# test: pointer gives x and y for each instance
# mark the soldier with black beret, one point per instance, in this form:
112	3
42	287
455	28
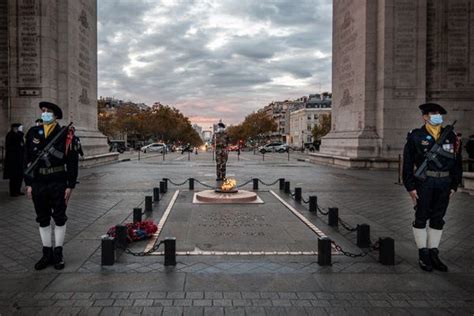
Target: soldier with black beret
431	196
51	185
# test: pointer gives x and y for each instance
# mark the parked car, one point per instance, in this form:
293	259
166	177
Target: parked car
273	147
186	148
117	145
233	148
157	147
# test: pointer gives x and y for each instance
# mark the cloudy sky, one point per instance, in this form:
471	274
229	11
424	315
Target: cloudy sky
214	59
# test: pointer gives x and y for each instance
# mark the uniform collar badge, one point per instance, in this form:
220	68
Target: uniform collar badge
41	132
428	136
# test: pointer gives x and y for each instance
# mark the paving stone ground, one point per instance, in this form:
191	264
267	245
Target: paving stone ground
234	285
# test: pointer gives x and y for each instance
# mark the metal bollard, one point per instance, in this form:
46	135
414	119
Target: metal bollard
298	195
324	251
108	250
191	184
313	204
170	251
148	203
166	184
156	194
255	183
363	236
282	183
162	187
137	214
287	187
333	217
387	251
121	233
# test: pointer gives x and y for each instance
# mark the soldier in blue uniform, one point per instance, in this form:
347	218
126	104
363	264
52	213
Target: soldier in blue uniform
431	196
51	186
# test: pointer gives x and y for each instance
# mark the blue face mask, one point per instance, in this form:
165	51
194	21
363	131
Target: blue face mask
47	117
436	119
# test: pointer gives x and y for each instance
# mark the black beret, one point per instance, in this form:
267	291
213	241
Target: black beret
16	125
432	107
220	124
53	107
39	121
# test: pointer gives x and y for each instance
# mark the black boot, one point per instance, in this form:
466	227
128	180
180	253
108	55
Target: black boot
437	264
46	259
424	259
58	258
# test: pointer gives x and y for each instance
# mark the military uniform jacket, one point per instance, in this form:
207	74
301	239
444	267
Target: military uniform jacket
14	153
36	141
419	142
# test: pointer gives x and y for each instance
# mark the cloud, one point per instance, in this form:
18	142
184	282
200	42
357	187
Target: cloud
214	59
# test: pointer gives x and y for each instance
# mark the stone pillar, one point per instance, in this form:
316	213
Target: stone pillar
53	57
389	56
3	70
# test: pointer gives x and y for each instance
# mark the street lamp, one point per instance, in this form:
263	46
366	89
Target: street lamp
302	141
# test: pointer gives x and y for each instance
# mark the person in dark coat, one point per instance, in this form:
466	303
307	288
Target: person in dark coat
431	196
14	159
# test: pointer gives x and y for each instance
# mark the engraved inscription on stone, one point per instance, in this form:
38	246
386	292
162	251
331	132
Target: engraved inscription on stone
3	50
345	43
228	224
29	45
83	55
405	48
450	59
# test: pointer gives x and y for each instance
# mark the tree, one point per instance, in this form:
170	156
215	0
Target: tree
321	129
257	124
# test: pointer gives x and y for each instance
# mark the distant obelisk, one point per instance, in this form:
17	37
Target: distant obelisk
48	52
389	56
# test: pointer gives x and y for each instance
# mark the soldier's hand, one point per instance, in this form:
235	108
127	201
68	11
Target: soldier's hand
452	193
414	196
29	189
67	195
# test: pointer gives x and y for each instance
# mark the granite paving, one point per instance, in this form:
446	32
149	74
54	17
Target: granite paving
235	285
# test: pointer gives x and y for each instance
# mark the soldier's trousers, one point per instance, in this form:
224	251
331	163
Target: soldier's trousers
433	200
48	198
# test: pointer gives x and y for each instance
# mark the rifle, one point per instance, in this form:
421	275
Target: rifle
432	155
47	151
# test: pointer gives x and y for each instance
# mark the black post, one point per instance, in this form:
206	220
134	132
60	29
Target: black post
387	251
163	151
324	251
263	156
156	194
287	187
137	214
191	184
288	154
170	251
189	155
313	204
298	195
148	203
162	187
166	184
139	154
255	183
333	216
121	233
363	236
108	250
282	184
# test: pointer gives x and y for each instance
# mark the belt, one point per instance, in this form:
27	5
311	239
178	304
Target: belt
437	174
46	171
